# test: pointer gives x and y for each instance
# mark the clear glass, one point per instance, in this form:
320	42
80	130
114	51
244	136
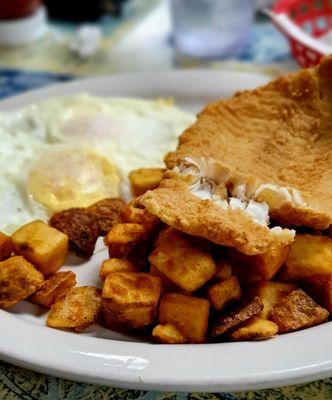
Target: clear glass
211	28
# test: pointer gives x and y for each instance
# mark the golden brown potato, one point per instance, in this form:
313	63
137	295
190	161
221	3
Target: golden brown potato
309	255
115	264
253	329
144	179
168	286
55	286
79	308
168	334
6	246
297	311
181	261
224	292
224	270
107	213
320	288
264	265
188	314
271	293
136	213
81	227
130	299
236	317
18	280
124	239
44	246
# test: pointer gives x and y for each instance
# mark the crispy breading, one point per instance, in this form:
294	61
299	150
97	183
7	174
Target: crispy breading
236	317
173	203
280	134
297	311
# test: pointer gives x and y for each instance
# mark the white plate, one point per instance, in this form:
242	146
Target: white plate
103	357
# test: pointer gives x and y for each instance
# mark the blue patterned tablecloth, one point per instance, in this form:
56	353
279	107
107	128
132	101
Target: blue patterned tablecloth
266	47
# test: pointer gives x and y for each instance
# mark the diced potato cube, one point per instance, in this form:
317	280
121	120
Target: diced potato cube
309	255
253	329
77	310
115	264
223	292
188	314
124	239
168	334
265	265
55	286
271	293
6	246
297	311
42	245
130	299
181	261
107	213
18	280
224	270
168	286
236	317
144	179
135	213
320	288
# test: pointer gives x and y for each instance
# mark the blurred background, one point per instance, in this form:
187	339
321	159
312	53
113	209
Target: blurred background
42	42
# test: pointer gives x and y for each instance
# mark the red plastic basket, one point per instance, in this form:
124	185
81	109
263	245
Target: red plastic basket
314	17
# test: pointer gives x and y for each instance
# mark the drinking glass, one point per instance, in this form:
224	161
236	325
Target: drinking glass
211	28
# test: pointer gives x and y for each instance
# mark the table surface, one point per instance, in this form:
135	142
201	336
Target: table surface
144	29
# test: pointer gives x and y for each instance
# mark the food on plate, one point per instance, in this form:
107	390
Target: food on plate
45	247
223	292
77	309
168	334
107	213
232	241
271	148
224	269
6	246
175	204
130	299
72	151
126	239
309	255
320	288
297	311
81	228
181	261
264	265
144	179
115	264
136	213
18	280
242	313
253	329
271	293
55	286
187	313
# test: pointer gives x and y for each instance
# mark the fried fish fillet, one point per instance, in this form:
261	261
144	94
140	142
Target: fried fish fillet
263	153
279	134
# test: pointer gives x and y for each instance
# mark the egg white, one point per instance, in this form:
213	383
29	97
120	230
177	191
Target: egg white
128	133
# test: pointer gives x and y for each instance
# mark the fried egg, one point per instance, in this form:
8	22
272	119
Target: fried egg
72	151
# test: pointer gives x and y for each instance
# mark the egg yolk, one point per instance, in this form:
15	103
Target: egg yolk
67	177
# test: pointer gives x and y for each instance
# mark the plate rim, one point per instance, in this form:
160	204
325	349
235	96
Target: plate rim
120	373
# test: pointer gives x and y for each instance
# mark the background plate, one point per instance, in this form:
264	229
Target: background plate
103	357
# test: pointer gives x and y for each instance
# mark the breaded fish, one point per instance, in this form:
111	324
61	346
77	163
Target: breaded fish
263	153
